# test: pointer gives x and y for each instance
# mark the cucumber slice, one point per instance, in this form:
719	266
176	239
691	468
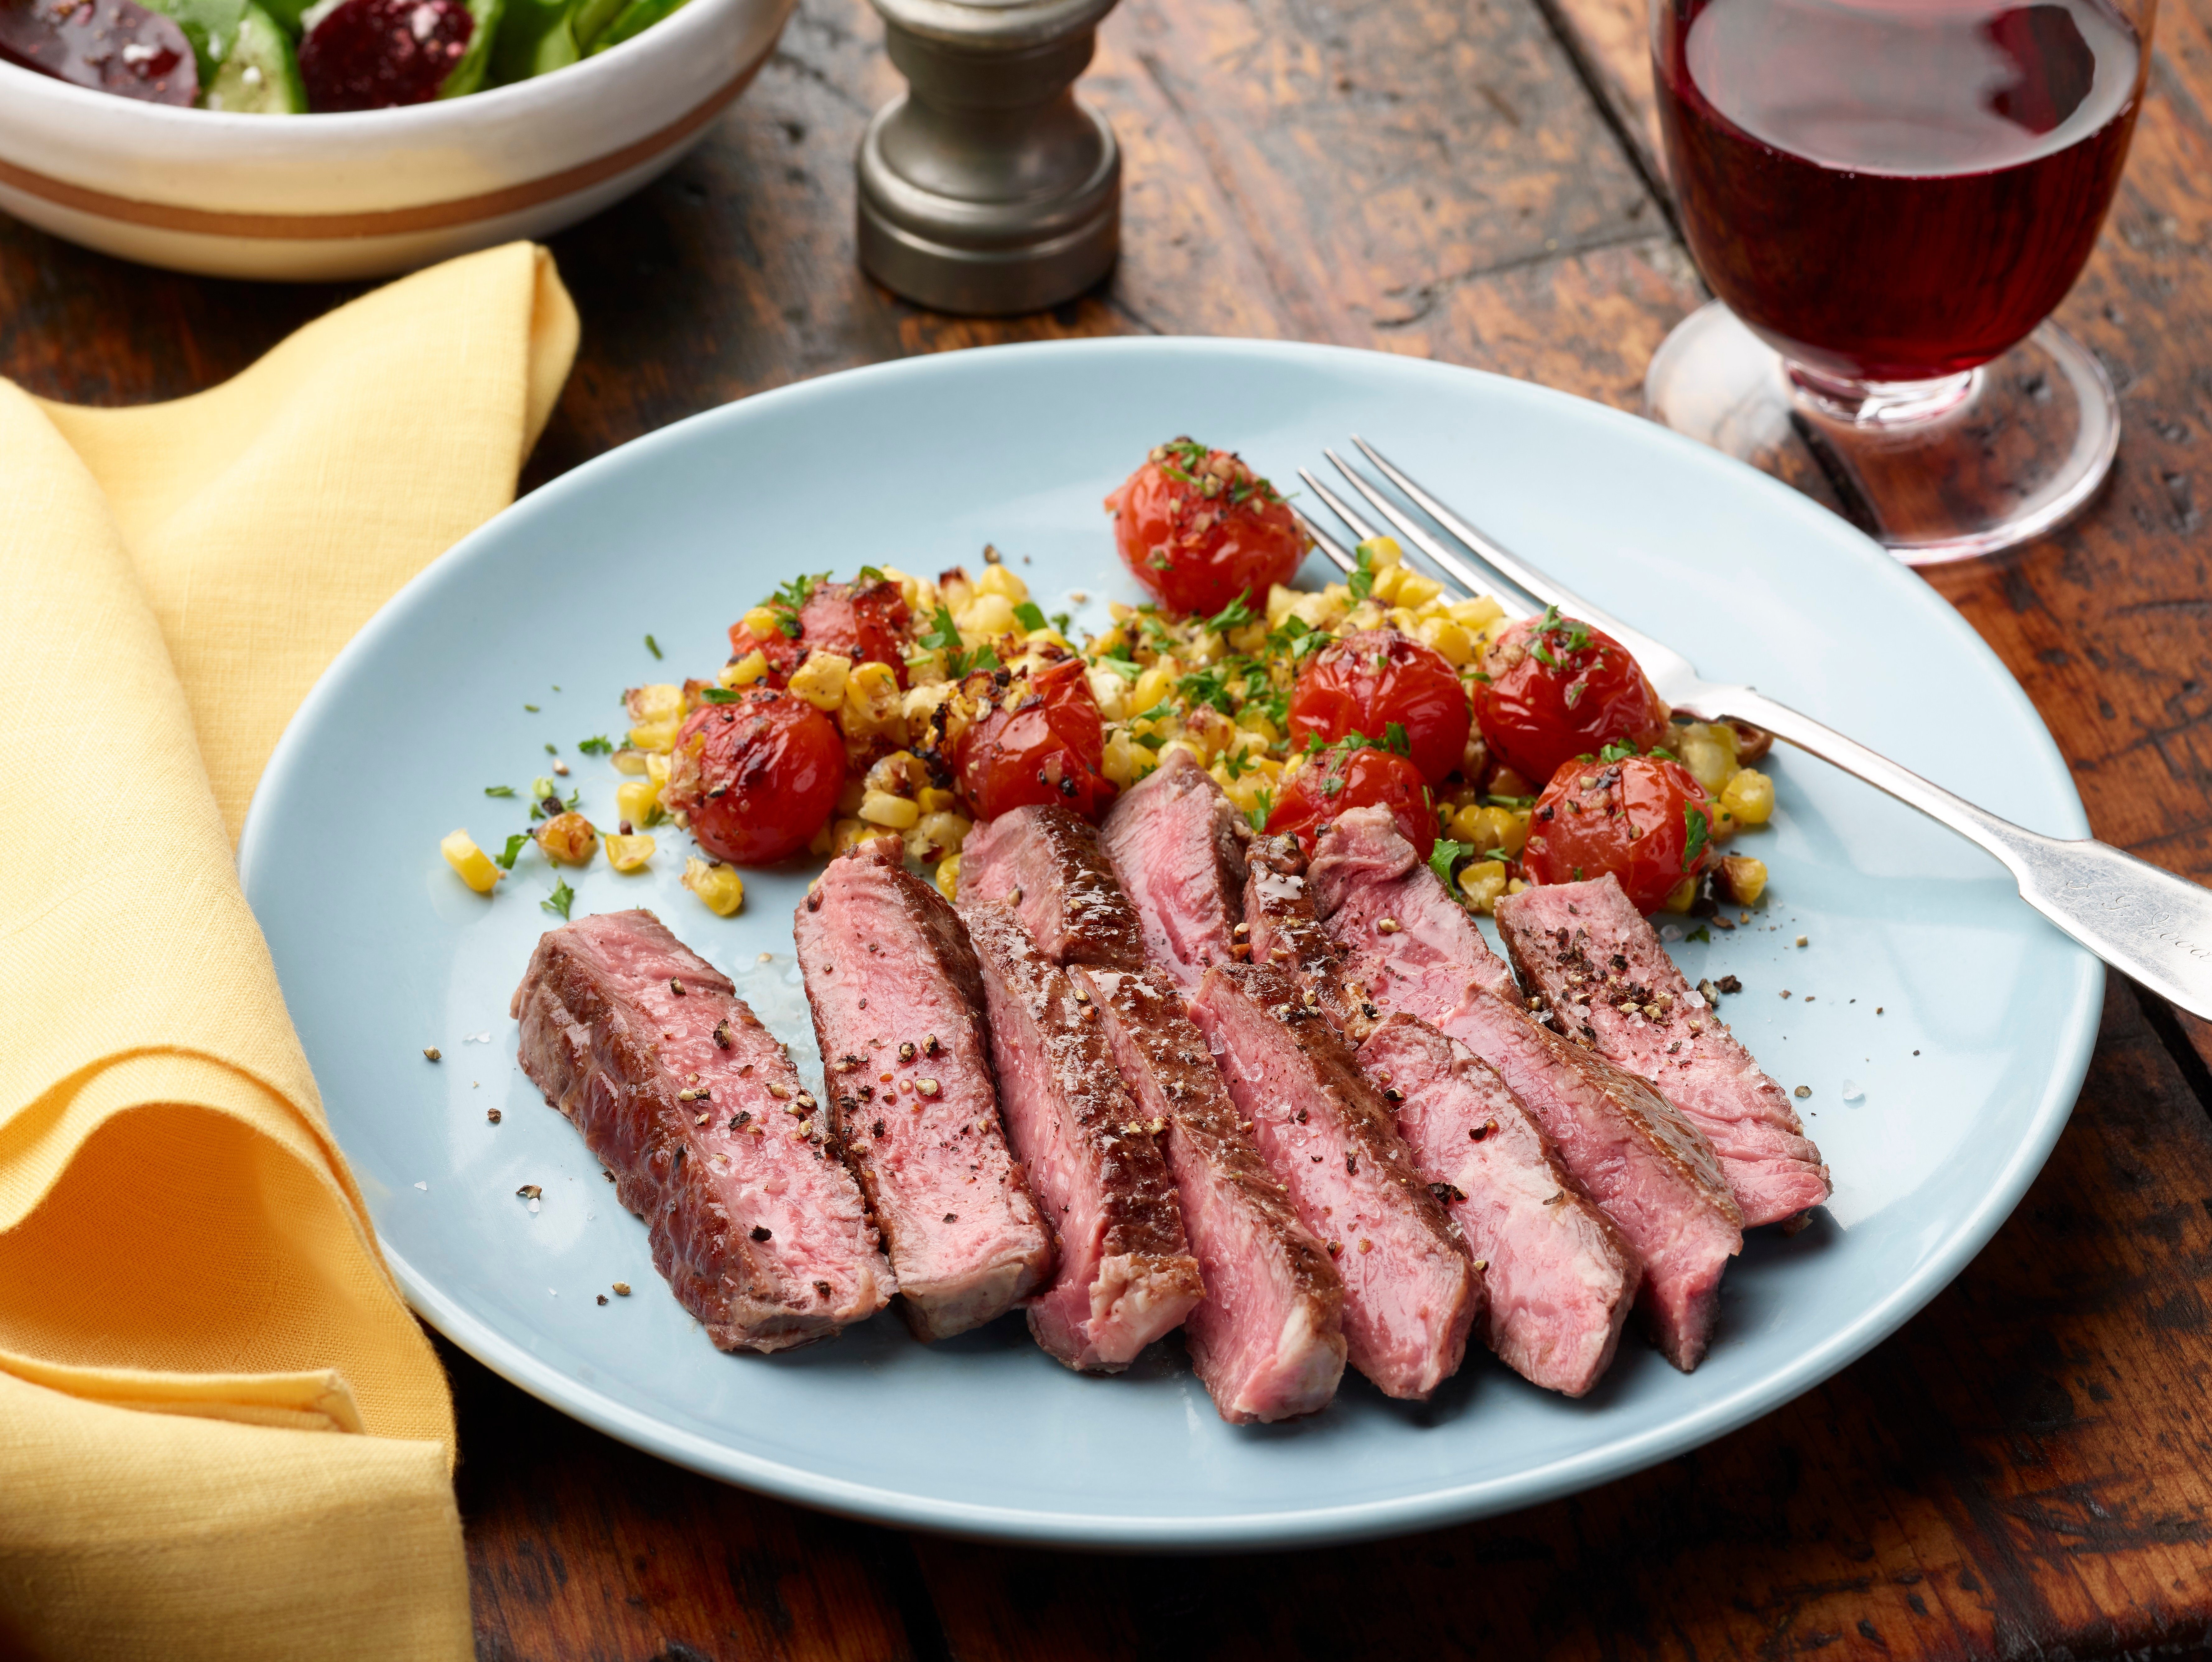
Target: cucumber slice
590	18
259	74
286	15
210	25
534	36
468	74
634	20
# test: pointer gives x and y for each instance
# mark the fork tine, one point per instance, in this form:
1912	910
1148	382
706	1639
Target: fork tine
1361	531
1416	533
1328	544
1503	560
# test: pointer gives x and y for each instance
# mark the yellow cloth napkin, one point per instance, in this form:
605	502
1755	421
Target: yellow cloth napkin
222	1435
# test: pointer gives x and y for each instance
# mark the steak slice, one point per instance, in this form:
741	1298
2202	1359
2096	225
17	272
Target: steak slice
1268	1339
1382	901
1284	934
1177	845
1560	1276
1124	1275
898	1002
1410	1292
1639	1157
1047	861
1607	979
698	1113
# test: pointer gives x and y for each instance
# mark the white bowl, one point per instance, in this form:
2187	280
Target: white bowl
319	196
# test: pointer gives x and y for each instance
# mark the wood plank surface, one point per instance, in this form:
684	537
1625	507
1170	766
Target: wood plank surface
2021	1472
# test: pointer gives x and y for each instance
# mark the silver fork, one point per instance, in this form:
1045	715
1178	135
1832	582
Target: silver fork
2145	922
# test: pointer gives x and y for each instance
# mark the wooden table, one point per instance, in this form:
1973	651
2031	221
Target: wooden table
2025	1469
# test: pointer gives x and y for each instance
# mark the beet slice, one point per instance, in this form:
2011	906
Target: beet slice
374	54
109	45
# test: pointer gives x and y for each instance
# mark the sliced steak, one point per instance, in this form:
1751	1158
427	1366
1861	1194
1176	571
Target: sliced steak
1124	1275
898	1011
1177	844
1638	1155
696	1110
1648	1166
1411	1291
1048	863
1607	979
1269	1340
1284	934
1383	902
1560	1276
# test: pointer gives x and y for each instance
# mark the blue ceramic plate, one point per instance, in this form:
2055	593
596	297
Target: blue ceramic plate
1962	1021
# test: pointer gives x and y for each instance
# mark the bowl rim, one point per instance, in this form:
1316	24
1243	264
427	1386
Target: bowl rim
434	119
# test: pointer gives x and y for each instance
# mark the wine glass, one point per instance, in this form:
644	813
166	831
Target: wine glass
1888	196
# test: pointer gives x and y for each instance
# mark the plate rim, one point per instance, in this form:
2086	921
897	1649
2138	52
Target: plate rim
1316	1526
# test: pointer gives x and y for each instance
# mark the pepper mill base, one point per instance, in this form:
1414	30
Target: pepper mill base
987	189
987	258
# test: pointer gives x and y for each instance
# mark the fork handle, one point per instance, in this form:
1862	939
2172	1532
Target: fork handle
2149	924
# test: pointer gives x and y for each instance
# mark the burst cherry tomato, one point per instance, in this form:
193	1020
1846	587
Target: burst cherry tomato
109	46
1365	681
1557	689
755	778
864	621
1199	529
1042	745
1631	817
1336	781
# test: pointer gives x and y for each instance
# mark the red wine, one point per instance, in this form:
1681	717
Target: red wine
1894	190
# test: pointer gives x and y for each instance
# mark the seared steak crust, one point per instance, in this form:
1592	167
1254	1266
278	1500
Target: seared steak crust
1049	862
1268	1338
897	1000
1561	1278
1177	845
1608	981
1284	934
695	1109
1124	1275
1411	1291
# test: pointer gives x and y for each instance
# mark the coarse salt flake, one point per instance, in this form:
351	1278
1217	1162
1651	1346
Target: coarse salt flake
424	1187
1671	932
1853	1091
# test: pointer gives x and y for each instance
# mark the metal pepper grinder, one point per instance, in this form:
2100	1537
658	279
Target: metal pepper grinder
988	188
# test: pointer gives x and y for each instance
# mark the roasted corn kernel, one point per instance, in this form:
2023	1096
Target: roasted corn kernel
761	622
1744	877
717	884
638	801
744	671
629	853
987	614
872	703
881	807
1681	898
568	839
1749	795
1482	882
935	835
821	680
948	877
997	580
469	862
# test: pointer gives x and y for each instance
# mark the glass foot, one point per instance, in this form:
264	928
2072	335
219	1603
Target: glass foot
1935	470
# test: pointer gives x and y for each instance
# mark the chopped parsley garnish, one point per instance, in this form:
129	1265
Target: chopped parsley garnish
653	646
499	789
718	695
1263	804
597	745
1508	802
1063	621
1700	828
1395	739
1619	750
1126	668
1361	578
1701	933
1150	741
1445	856
1234	616
1030	615
532	708
944	635
560	900
550	751
871	574
1207	686
515	845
